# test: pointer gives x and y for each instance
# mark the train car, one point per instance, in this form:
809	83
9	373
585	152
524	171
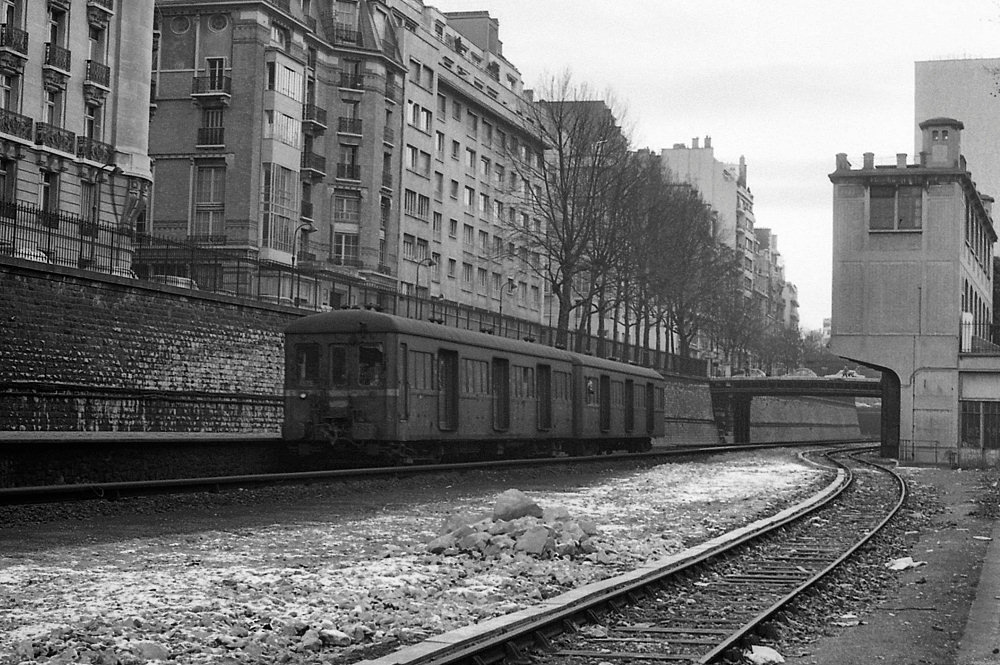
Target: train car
387	387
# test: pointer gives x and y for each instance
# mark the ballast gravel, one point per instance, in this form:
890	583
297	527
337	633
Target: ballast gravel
336	577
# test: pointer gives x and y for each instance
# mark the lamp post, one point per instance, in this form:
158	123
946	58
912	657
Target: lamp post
429	262
509	288
306	228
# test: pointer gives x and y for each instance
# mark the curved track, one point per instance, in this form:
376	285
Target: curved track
716	601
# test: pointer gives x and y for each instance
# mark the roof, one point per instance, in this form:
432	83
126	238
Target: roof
951	122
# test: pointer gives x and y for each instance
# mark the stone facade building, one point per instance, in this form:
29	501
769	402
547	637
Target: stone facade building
74	169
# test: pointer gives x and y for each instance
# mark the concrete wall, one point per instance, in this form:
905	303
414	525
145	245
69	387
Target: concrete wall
689	417
803	419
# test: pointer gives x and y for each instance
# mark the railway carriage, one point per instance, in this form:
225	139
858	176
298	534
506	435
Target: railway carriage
387	387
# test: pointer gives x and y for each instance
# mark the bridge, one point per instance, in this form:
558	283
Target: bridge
732	395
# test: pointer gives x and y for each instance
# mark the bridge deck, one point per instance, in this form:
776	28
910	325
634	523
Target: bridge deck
796	385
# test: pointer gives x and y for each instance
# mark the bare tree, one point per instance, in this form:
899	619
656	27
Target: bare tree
575	189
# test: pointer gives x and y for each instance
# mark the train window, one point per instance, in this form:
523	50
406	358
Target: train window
476	374
560	386
338	364
591	390
528	380
421	370
501	394
616	393
371	365
544	397
306	363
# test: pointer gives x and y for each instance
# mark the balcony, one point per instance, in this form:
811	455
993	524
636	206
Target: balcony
57	57
283	5
343	33
348	171
94	150
211	137
351	261
313	165
313	118
392	91
15	124
307	211
351	81
212	90
98	74
349	125
389	135
54	137
13	50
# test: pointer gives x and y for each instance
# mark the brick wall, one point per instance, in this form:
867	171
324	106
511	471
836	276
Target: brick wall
74	345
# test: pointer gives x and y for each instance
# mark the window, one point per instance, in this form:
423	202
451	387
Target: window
438	185
893	208
455	149
487	133
483	277
90	206
484	168
436	225
209	202
442	105
467	275
500	174
497	210
468	234
53	107
8	180
439	145
346	209
453	191
423	207
306	368
456	110
422	249
452	265
436	268
345	248
470	160
282	127
371	365
484	241
280	206
470	198
426	120
471	123
452	228
410	202
92	121
408	246
285	80
484	205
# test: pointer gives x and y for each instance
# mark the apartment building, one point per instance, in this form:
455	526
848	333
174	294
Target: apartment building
468	144
276	136
74	171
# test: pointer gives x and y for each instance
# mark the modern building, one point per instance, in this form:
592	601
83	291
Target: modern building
913	292
966	88
74	169
468	146
276	136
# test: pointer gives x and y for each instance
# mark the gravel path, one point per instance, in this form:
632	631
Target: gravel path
304	575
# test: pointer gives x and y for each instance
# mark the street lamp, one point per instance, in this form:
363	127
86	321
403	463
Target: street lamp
509	288
306	228
429	262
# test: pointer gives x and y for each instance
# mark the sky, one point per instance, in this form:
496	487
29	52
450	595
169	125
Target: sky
787	84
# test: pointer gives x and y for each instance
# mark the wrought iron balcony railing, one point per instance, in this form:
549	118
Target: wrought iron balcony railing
13	39
16	124
98	73
352	81
349	125
55	137
211	136
313	162
212	85
94	150
314	114
349	171
58	57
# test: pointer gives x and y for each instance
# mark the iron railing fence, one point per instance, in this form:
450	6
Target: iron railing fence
318	282
979	338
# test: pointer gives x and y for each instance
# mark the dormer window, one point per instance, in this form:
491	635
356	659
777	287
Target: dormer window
944	134
934	135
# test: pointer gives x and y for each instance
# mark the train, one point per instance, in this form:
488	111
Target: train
378	386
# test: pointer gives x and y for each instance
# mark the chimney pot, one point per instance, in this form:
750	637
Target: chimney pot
869	160
694	143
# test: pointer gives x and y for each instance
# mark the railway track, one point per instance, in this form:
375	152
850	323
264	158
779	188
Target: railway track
119	489
707	607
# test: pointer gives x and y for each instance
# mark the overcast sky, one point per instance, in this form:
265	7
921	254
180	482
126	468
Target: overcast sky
786	83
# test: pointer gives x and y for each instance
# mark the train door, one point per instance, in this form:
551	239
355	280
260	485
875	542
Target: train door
448	390
650	408
544	396
629	405
403	376
605	401
501	394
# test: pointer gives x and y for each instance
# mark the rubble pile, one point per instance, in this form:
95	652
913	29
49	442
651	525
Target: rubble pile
518	524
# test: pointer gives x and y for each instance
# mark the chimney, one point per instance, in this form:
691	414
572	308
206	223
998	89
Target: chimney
694	143
942	142
842	163
900	160
987	203
708	141
679	146
869	161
